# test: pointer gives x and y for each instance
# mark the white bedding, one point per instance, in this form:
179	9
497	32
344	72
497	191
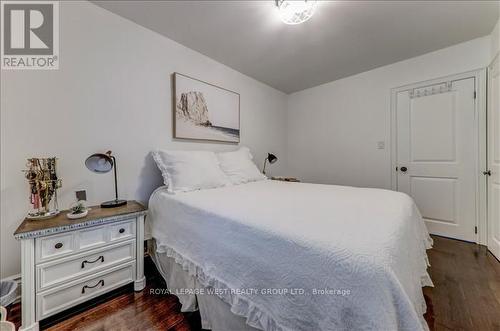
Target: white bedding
367	247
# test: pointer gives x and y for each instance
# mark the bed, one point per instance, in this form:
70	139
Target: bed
273	255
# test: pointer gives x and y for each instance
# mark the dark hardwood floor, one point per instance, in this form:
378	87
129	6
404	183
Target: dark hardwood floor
466	292
466	296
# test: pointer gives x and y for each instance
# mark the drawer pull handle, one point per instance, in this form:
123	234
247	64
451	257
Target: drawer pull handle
121	230
101	282
99	258
58	245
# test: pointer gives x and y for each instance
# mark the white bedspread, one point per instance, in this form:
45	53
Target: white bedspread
343	258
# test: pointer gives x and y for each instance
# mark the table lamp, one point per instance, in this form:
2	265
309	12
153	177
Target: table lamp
101	164
271	158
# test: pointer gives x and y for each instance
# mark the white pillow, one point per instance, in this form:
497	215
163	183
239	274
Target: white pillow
185	171
239	167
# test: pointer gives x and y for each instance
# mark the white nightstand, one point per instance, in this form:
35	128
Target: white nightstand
67	262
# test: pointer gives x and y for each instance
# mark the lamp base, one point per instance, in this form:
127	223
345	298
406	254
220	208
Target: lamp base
113	203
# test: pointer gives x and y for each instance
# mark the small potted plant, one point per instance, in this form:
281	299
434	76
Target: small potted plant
78	210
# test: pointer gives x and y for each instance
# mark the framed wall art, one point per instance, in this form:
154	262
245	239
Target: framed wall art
203	111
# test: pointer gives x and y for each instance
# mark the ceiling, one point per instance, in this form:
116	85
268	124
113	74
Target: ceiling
341	39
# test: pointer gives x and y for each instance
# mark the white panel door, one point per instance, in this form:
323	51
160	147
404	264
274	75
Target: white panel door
436	154
494	159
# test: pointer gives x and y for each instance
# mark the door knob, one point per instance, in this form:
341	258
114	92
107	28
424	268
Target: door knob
487	173
404	169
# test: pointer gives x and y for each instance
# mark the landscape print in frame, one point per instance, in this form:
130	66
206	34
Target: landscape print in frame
203	111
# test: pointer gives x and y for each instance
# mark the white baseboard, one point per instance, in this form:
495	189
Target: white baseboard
17	279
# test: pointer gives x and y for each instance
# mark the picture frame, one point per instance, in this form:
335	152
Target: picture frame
204	111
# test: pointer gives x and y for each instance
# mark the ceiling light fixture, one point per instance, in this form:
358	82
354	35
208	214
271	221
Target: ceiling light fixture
295	11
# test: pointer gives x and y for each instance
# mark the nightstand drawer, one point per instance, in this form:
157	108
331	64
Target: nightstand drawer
92	237
64	270
122	231
60	298
55	246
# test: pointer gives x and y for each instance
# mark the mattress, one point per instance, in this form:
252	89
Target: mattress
297	256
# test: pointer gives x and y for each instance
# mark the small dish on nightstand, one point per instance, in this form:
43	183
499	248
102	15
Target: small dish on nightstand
78	210
286	179
74	216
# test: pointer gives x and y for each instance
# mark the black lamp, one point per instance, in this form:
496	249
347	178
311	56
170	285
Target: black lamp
271	158
101	164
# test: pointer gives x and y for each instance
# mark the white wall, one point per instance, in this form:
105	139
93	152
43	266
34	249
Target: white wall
113	91
495	40
333	129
